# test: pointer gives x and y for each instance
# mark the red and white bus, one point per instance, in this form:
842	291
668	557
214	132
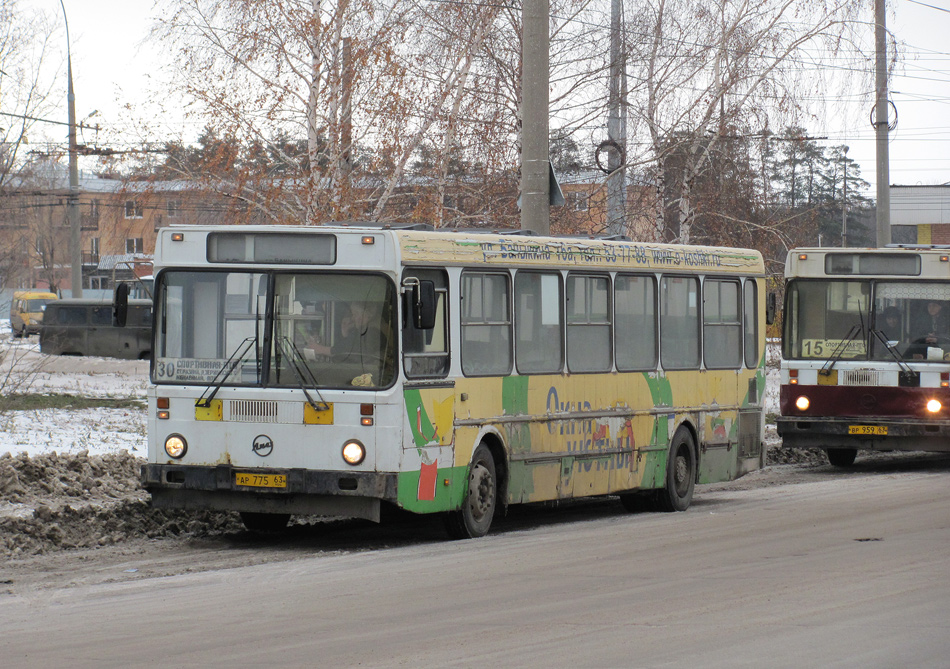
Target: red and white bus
866	350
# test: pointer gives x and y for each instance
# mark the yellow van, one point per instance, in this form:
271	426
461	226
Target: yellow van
26	311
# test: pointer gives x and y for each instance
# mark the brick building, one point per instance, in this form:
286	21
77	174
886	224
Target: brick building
924	208
119	218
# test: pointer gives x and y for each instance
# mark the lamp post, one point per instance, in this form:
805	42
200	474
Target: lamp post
72	202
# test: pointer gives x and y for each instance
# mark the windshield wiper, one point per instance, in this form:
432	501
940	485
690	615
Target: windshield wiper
224	373
302	372
839	350
900	361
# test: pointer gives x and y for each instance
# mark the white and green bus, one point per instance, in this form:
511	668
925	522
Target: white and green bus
334	370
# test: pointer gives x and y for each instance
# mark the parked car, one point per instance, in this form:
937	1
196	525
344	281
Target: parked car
84	327
26	311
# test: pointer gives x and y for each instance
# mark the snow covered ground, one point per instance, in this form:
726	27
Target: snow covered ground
101	431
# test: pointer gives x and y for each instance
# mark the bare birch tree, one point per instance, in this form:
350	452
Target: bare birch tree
28	90
345	74
701	68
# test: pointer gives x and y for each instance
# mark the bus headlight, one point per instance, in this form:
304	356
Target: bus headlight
934	406
353	452
802	403
176	446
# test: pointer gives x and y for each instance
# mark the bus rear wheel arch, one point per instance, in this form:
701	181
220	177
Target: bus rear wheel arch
475	516
677	493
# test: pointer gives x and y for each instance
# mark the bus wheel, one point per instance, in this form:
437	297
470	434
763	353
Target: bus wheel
265	522
478	508
680	474
842	457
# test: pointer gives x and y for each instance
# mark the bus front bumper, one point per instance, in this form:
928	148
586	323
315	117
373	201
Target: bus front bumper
338	494
894	434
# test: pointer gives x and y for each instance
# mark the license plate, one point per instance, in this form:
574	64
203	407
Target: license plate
867	429
261	480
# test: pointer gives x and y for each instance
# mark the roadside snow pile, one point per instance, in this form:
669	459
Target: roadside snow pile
51	502
69	478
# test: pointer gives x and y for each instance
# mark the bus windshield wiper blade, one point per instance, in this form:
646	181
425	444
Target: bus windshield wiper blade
839	351
900	361
302	373
224	373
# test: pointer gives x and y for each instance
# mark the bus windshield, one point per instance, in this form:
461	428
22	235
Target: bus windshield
339	326
328	330
825	319
867	320
36	306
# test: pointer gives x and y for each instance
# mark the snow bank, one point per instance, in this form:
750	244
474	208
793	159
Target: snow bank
96	431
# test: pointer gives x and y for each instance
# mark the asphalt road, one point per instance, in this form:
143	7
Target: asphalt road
834	570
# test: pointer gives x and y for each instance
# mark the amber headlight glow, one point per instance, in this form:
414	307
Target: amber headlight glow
802	403
933	406
176	446
353	452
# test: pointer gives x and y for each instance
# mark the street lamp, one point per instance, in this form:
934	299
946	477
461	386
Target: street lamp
72	202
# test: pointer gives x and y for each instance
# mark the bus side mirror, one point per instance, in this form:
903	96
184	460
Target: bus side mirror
120	305
770	309
423	304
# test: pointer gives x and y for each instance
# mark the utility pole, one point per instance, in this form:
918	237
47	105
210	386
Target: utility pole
535	165
616	128
72	202
881	127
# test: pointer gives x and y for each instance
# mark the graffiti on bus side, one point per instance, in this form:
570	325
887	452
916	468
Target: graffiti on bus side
593	434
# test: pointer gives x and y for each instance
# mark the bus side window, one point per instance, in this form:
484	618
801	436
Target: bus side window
486	323
635	339
539	345
722	345
679	322
750	323
588	323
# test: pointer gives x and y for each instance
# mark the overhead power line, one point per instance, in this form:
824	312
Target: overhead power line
46	120
924	4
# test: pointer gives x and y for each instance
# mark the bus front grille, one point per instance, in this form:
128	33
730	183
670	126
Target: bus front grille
860	377
263	411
